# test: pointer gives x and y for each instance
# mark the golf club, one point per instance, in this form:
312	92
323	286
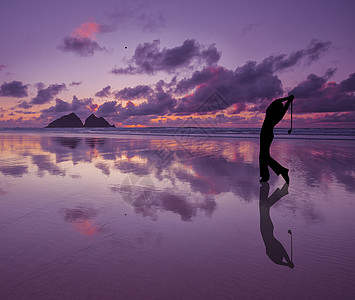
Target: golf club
290	130
290	232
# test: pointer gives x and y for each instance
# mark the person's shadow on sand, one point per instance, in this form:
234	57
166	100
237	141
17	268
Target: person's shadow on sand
274	249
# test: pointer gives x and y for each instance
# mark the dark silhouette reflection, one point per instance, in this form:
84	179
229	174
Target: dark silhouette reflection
274	248
71	142
93	142
274	114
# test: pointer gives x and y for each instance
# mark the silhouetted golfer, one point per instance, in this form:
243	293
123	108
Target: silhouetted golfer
274	249
274	114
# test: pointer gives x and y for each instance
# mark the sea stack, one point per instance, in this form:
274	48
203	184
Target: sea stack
71	121
93	121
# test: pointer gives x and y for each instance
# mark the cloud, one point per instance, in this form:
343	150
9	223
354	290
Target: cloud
86	30
13	89
248	28
81	41
82	107
74	83
149	58
348	85
158	104
80	46
139	91
211	89
24	105
249	87
151	22
219	88
45	95
309	55
25	112
2	67
108	109
136	15
316	94
105	92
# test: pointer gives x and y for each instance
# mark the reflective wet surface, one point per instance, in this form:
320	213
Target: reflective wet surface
101	217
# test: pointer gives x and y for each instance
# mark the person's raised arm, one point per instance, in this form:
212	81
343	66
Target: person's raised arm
289	98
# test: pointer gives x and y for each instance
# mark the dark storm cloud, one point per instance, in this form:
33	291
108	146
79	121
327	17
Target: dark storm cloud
13	89
45	95
139	91
80	46
315	94
105	92
149	58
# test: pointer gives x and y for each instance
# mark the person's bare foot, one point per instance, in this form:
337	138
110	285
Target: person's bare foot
284	174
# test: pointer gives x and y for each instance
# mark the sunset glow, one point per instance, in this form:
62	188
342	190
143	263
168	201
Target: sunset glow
133	65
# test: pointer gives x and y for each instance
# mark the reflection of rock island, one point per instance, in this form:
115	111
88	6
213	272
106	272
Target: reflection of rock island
73	121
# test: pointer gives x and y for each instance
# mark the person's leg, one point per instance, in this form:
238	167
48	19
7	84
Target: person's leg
264	156
278	169
263	166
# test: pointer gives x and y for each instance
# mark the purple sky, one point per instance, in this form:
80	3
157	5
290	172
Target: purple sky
213	61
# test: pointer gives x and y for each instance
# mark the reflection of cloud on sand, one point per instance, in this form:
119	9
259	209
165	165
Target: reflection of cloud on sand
207	170
82	219
14	170
105	168
186	207
43	163
85	227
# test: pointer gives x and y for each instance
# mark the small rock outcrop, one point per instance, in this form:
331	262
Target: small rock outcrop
93	121
71	120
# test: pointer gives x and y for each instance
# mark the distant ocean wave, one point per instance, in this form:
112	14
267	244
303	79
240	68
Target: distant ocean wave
218	132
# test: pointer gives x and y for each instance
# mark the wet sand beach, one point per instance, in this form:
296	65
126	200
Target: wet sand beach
133	217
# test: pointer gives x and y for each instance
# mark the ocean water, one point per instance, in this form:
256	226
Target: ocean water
197	131
101	214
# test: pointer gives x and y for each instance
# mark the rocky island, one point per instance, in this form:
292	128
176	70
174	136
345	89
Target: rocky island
73	121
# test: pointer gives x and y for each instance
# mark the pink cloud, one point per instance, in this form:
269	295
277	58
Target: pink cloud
86	30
